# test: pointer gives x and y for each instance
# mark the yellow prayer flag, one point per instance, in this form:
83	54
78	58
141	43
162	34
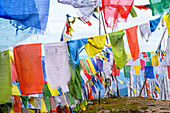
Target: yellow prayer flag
33	101
167	21
31	111
128	55
95	45
54	91
15	90
104	58
153	53
91	66
43	106
137	69
12	111
155	60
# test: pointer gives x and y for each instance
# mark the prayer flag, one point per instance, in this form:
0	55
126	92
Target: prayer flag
5	78
137	69
127	69
157	88
149	72
144	54
145	30
29	68
167	55
131	34
15	90
159	6
168	67
142	63
115	71
143	6
95	45
155	60
167	21
154	24
116	40
57	65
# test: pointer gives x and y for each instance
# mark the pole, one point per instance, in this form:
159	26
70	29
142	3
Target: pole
142	87
104	27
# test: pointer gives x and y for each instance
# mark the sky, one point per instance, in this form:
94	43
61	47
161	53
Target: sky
57	19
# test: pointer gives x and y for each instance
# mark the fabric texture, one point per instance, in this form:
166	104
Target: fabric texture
167	55
127	69
29	68
159	6
116	10
167	21
137	69
95	45
143	6
155	60
154	24
97	83
115	71
117	43
5	78
131	34
149	72
57	65
74	48
145	30
17	104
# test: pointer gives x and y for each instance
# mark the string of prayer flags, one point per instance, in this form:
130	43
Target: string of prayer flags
127	69
116	40
116	11
5	78
149	72
145	31
144	54
74	48
168	68
154	24
157	88
95	45
143	6
91	66
26	13
57	65
167	21
131	34
137	69
97	83
29	68
159	6
155	60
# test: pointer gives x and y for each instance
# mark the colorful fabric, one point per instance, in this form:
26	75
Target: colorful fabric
17	104
149	72
144	54
133	12
116	40
154	24
116	10
115	71
145	30
157	88
155	60
91	66
168	68
97	83
57	65
167	21
131	34
43	68
95	45
159	6
127	69
137	69
142	63
143	6
29	68
15	90
13	73
74	48
5	78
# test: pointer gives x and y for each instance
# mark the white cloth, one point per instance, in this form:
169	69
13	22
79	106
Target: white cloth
57	64
107	69
159	70
167	55
145	30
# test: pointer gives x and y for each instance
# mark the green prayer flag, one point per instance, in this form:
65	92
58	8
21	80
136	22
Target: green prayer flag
46	91
148	54
47	102
133	12
149	62
71	99
86	65
117	43
127	69
159	6
5	78
24	100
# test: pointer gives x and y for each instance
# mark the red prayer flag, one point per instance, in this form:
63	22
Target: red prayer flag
144	54
116	10
142	63
115	71
13	73
168	67
131	34
17	104
29	68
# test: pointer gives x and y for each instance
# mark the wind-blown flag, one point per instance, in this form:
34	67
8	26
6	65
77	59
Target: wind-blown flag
116	40
116	10
159	6
143	6
157	88
167	21
154	24
131	34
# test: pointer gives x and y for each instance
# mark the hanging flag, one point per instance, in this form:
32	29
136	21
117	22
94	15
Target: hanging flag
142	63
74	48
154	24
57	65
167	21
5	78
131	34
91	66
147	90
155	94
167	55
128	55
145	31
95	45
168	67
159	6
133	12
116	10
115	71
116	40
157	88
15	90
137	69
17	104
149	72
127	69
29	68
155	60
144	54
143	6
43	68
